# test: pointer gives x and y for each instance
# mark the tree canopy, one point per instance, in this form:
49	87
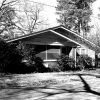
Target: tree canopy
75	14
7	16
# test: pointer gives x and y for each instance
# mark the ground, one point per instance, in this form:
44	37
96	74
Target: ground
83	85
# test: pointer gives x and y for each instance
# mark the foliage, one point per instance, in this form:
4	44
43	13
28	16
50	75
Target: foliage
85	62
29	55
7	16
39	65
9	57
66	63
29	18
27	52
75	14
11	60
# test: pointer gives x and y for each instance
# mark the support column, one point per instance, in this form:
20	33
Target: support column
96	60
74	55
46	52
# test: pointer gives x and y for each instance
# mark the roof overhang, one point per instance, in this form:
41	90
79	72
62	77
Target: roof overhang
63	33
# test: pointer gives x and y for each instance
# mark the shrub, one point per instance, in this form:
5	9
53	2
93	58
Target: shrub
84	62
9	57
29	55
66	63
39	65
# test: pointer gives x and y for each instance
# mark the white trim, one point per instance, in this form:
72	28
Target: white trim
60	51
46	53
24	37
79	36
33	34
50	60
53	30
66	37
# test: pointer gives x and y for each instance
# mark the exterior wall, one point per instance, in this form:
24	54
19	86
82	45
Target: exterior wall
50	63
86	51
53	52
47	52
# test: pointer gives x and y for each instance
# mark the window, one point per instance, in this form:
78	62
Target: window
53	52
48	52
82	51
41	51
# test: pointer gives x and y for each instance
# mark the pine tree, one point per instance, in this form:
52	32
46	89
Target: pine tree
75	14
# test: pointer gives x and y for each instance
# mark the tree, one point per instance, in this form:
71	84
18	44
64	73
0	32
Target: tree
10	58
19	18
7	15
75	14
29	18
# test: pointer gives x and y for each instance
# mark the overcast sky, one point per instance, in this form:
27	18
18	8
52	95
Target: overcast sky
96	5
49	12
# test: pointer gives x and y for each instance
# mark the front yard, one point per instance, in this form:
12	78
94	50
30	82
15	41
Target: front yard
83	85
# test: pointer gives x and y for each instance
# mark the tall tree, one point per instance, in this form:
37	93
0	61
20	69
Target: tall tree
7	15
75	14
30	18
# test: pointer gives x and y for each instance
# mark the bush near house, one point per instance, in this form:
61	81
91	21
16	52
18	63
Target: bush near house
29	55
9	57
85	62
11	60
66	63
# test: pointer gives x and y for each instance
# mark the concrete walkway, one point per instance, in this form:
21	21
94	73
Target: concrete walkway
76	87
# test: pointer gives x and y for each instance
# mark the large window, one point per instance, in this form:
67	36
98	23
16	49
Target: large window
48	52
53	52
40	51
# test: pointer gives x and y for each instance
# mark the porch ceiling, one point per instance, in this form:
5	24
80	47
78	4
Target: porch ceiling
50	38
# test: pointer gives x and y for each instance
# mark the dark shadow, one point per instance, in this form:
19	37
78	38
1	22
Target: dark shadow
39	89
18	90
87	87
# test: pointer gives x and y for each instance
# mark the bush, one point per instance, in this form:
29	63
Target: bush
9	57
85	62
29	55
66	63
39	65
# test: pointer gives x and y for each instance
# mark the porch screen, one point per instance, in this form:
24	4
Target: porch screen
53	52
41	51
47	52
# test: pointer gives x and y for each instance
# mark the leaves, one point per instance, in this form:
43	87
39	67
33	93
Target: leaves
75	14
7	16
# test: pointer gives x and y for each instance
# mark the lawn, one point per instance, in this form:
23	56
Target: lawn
51	86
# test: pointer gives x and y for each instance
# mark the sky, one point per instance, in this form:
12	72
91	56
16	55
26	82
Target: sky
50	12
94	19
95	7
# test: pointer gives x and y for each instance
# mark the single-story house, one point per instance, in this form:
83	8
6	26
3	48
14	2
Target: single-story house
52	42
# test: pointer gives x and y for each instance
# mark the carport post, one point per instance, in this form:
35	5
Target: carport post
74	55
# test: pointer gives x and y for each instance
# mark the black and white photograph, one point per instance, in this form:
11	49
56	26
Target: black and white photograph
49	49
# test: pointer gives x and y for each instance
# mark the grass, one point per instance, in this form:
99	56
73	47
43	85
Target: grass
39	79
68	85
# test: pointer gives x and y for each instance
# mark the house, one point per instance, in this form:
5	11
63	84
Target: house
52	42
